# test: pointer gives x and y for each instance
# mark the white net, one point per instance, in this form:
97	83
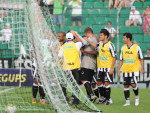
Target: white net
29	31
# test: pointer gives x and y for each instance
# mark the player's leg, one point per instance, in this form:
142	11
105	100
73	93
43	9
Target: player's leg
94	86
65	92
86	78
42	94
108	80
35	89
83	78
127	82
135	89
100	80
75	74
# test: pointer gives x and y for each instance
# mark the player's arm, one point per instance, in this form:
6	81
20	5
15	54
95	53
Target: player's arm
76	36
120	63
142	66
119	67
113	54
89	52
90	42
140	55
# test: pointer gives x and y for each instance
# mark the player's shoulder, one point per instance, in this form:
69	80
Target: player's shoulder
136	45
124	46
110	43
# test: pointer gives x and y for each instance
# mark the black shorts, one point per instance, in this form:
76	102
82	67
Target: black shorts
76	18
76	73
129	80
86	74
104	77
94	81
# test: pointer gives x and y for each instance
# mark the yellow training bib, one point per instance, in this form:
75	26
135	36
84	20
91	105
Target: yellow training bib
104	58
131	62
71	56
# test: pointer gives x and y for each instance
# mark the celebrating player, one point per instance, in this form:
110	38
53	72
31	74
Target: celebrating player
105	62
71	53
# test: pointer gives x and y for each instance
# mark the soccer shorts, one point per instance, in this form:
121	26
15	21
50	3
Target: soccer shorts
104	77
86	74
130	80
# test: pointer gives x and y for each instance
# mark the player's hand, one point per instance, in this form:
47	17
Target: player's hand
82	51
111	71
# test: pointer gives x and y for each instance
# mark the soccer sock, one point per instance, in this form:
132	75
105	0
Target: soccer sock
96	92
107	92
136	91
41	91
88	88
34	91
127	93
101	90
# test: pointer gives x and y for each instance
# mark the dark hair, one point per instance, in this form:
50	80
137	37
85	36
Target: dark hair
109	22
105	32
128	35
64	34
88	29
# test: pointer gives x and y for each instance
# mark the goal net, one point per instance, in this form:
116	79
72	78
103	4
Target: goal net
24	30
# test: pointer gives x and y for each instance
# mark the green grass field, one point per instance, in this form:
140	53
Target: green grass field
22	97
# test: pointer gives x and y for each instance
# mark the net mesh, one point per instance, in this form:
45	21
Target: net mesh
30	31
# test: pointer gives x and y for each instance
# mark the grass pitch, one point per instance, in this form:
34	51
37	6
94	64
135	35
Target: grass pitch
22	97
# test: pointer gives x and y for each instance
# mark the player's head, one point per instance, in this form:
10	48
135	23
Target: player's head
61	36
109	24
88	32
127	37
69	36
104	34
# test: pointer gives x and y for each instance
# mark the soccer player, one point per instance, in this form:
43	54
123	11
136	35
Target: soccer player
37	86
130	60
88	62
71	53
105	63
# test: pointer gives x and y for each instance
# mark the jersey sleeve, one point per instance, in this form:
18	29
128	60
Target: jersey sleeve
79	45
60	53
112	50
140	55
121	55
